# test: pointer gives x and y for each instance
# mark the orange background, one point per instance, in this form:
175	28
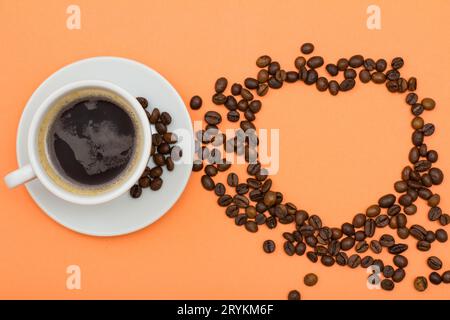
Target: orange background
338	154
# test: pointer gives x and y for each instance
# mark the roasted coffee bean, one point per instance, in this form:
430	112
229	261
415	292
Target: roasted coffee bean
274	66
315	222
251	226
294	295
423	245
428	103
219	189
154	116
315	62
418	232
365	76
242	188
434	213
369	64
213	117
156	172
280	75
195	103
142	101
354	261
393	75
430	237
398	248
288	236
211	170
291	76
403	233
342	64
444	219
232	179
379	263
382	221
327	260
289	248
241	201
411	98
394	210
135	191
144	182
221	85
159	159
341	259
400	261
207	182
311	77
373	211
300	62
300	248
350	74
366	261
369	228
263	61
348	229
160	127
322	84
398	275
347	243
307	48
386	240
359	220
381	65
361	247
332	69
266	185
417	138
347	85
375	246
333	87
233	116
269	246
197	166
397	63
432	156
224	165
219	98
446	277
260	219
413	155
240	219
156	184
246	94
401	220
225	200
434	263
441	235
420	284
311	241
392	86
436	176
388	271
231	103
412	84
356	61
386	201
378	77
310	279
435	278
256	195
251	83
271	222
236	89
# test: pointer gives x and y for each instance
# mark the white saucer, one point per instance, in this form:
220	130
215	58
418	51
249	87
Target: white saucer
124	214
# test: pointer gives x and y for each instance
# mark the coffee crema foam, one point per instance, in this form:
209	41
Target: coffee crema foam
54	171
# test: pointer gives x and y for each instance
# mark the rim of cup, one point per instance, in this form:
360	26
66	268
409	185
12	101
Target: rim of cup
106	196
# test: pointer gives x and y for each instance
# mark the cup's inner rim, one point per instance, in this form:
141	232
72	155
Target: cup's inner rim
56	107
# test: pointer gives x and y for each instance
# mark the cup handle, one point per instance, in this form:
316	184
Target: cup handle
19	176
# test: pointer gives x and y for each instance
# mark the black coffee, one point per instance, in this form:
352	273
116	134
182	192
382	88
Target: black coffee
91	141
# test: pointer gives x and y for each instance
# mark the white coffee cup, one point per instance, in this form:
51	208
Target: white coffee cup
35	169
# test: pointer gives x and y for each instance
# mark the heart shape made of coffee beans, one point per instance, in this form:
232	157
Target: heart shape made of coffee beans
256	204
